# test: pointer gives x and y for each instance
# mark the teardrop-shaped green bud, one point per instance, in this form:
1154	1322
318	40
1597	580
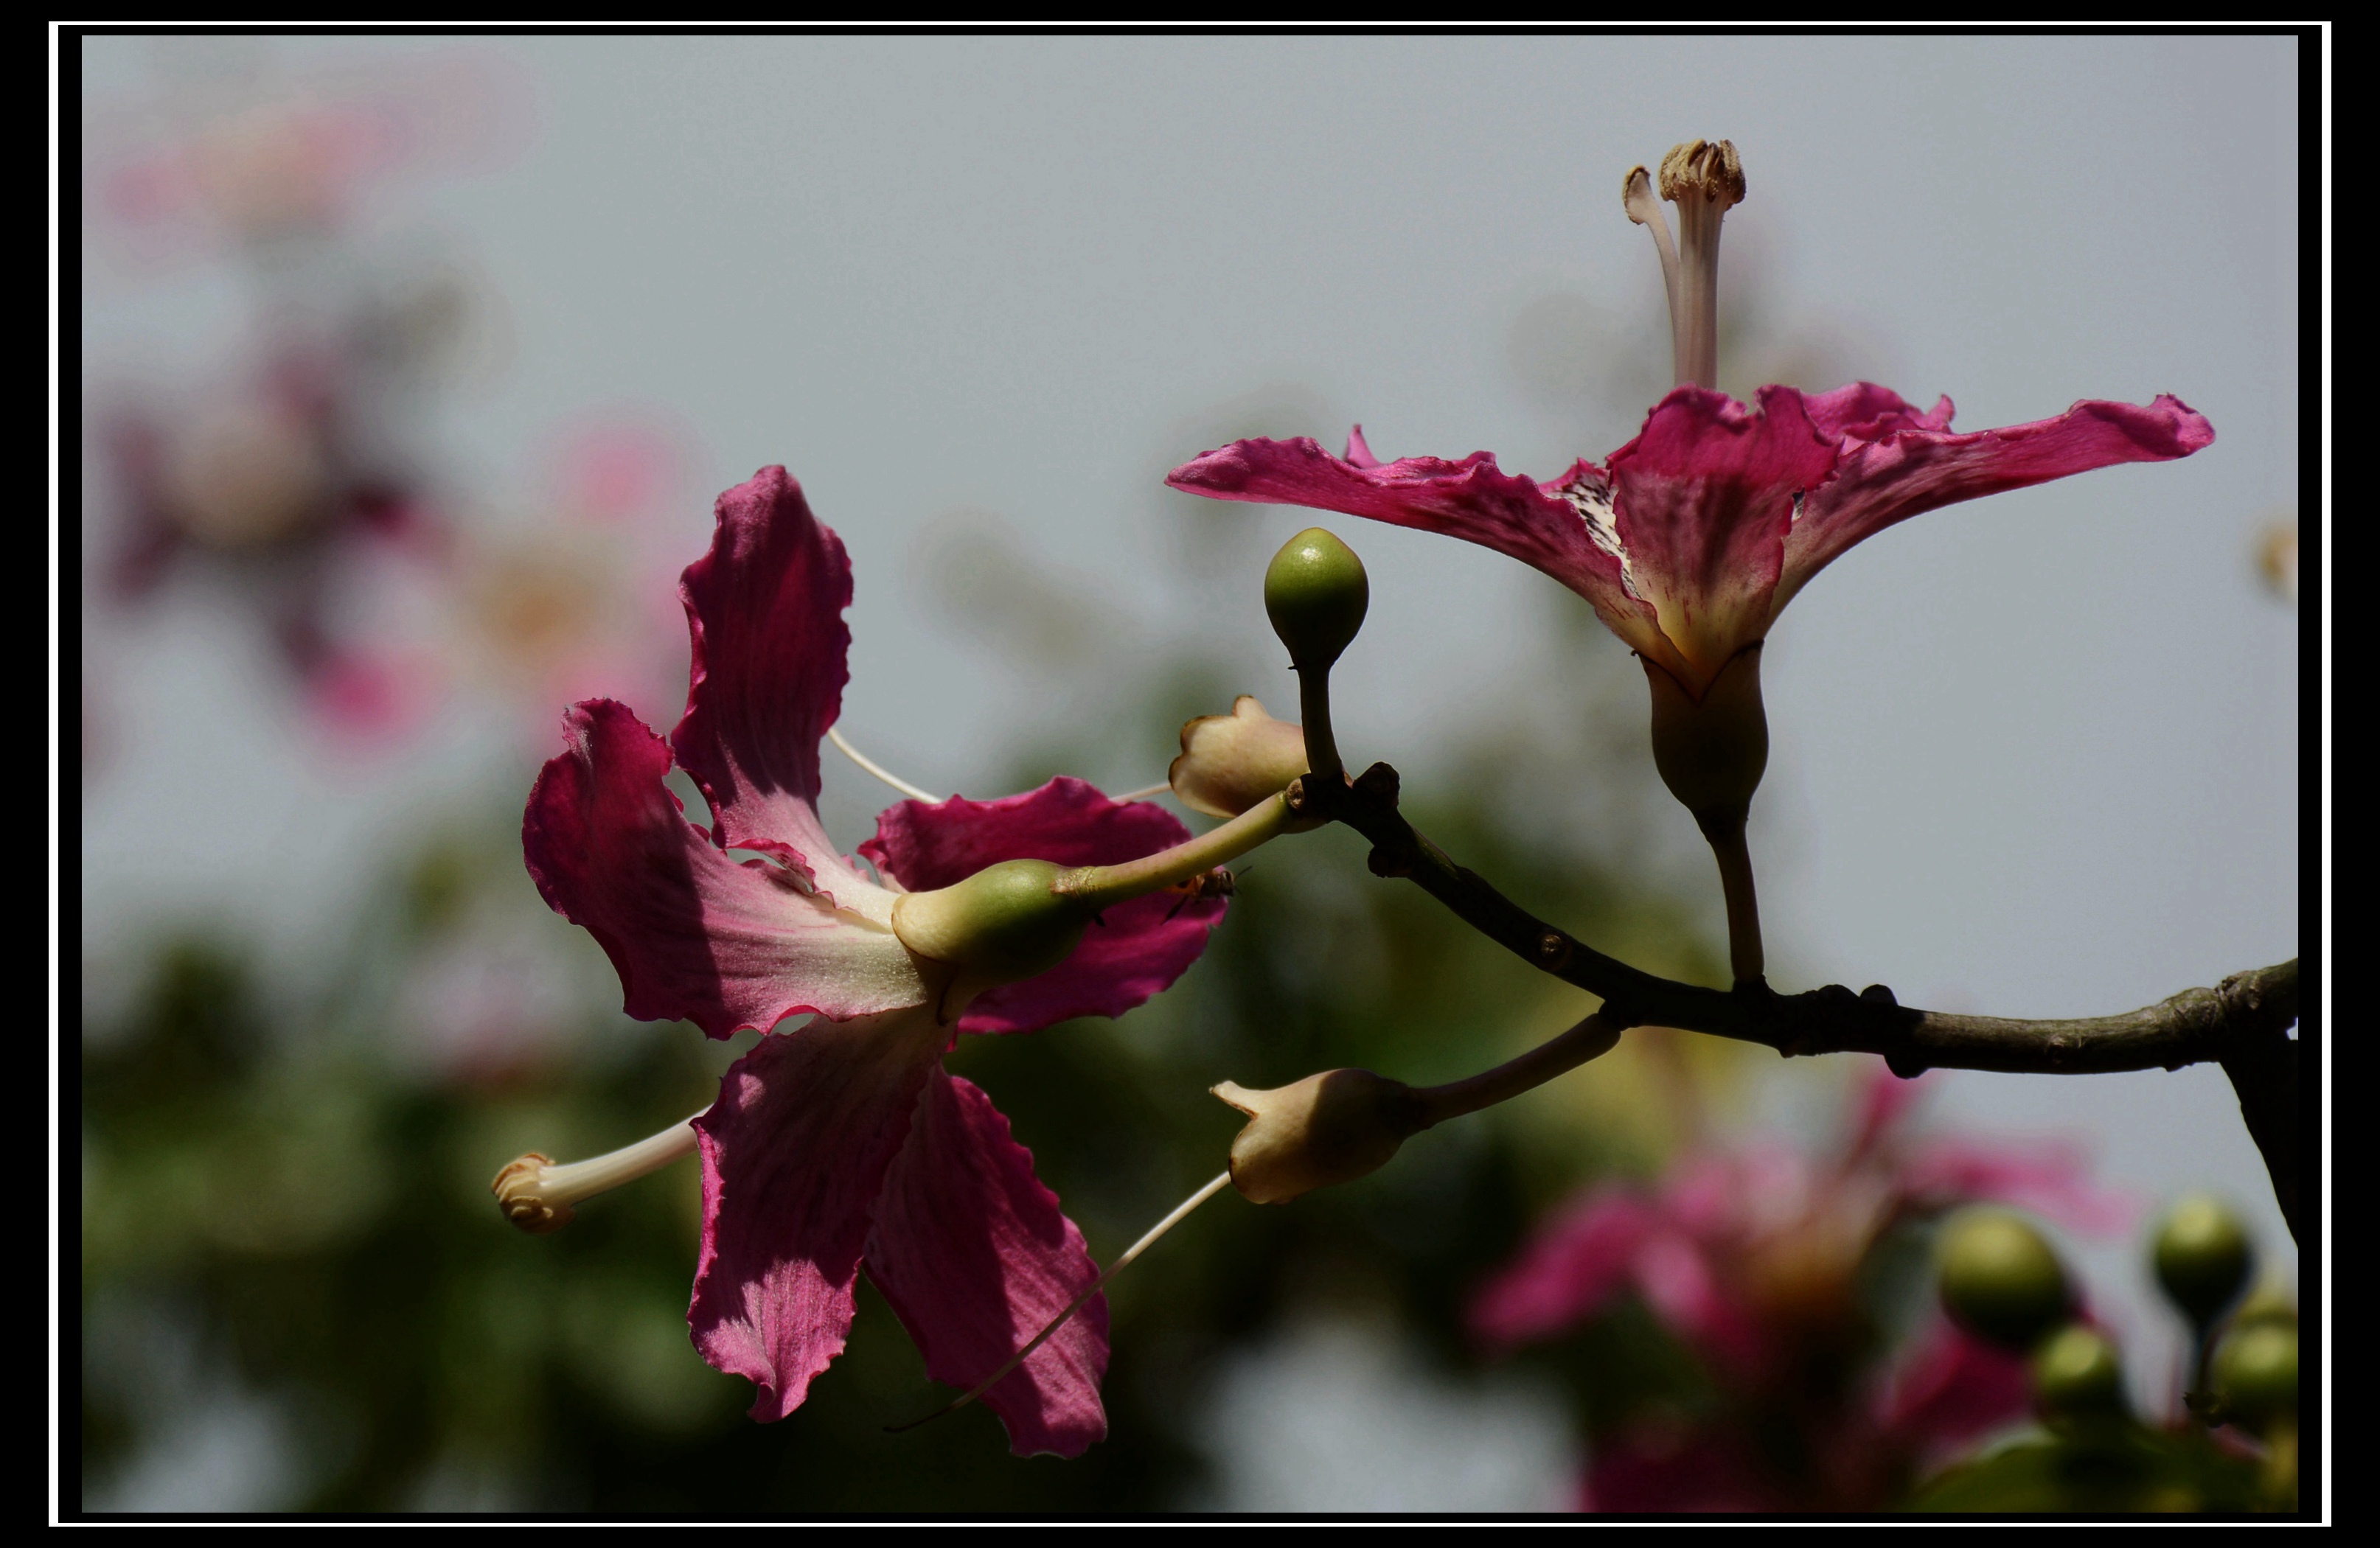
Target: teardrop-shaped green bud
2078	1374
1316	593
2255	1369
2001	1281
2202	1257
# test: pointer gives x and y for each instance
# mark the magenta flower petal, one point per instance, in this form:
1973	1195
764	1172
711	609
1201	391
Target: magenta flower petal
1562	529
1702	528
793	1155
2049	1179
765	606
1659	1470
1703	497
1864	411
694	935
1575	1268
975	1255
1674	1274
1134	952
1897	464
1881	1104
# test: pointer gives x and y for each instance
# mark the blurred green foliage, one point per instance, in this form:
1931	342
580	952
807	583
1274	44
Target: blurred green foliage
2118	1468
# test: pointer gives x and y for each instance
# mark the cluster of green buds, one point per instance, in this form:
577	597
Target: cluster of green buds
2001	1281
2244	1370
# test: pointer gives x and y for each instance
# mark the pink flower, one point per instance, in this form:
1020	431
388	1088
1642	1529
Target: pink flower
844	1144
1753	1259
1691	539
275	487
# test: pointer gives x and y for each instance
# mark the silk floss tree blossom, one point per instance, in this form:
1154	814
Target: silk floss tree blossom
1759	1261
842	1143
1690	540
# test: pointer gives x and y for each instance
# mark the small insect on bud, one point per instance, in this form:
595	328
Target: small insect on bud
2001	1281
2202	1258
1005	923
1231	762
2078	1374
1316	593
1217	883
2255	1371
1329	1127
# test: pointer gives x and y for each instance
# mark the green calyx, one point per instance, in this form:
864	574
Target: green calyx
2202	1257
1005	923
1316	593
2077	1375
2001	1281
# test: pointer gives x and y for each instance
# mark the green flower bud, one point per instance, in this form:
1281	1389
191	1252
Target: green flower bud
1005	923
2000	1279
2078	1374
1316	593
1333	1127
2202	1257
2255	1371
2268	1302
1231	762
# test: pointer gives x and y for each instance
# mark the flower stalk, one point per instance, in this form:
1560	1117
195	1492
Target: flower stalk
1592	1038
1726	832
1093	888
1339	1125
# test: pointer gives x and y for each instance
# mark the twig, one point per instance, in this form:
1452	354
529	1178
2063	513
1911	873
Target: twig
2242	1023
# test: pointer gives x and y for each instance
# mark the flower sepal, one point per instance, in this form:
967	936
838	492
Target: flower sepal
1711	752
1229	762
1329	1128
1005	922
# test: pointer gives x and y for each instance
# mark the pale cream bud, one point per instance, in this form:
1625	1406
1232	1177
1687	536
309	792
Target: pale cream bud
1326	1129
1231	762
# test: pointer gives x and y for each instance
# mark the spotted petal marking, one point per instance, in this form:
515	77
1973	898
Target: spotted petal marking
1590	496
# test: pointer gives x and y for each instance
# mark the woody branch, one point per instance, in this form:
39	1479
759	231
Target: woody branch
2242	1023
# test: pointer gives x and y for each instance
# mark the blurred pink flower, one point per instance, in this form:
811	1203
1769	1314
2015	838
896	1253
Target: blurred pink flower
1752	1258
272	486
842	1143
573	604
1695	534
292	158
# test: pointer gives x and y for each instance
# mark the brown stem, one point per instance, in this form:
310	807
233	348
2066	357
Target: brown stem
1314	712
2243	1023
1726	832
1591	1038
